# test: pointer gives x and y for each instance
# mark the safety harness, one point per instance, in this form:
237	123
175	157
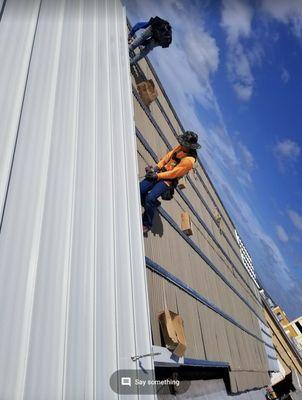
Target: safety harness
168	195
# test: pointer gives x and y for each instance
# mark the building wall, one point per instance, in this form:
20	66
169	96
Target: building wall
286	354
294	328
73	296
281	316
209	262
246	259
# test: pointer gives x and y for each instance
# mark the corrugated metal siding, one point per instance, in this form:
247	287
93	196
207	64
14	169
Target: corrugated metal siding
269	347
228	285
73	302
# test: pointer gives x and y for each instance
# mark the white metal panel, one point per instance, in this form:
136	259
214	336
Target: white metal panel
73	296
270	352
16	42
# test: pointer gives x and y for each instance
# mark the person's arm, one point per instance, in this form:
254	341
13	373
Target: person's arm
138	26
180	170
165	159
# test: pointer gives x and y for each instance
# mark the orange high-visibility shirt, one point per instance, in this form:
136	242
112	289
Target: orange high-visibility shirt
175	170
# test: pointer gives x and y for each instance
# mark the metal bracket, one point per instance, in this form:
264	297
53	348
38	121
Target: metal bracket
137	357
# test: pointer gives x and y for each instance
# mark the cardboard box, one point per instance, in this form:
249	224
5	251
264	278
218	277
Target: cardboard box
186	223
147	91
172	328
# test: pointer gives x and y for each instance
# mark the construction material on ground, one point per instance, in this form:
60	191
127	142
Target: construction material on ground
172	328
186	224
147	91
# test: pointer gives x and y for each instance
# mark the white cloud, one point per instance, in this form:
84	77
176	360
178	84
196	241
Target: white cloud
296	219
287	12
287	153
248	157
288	148
282	235
285	76
236	21
243	91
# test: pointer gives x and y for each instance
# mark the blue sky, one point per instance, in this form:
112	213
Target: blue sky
234	75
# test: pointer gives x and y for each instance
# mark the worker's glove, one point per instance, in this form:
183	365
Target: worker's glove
150	168
151	175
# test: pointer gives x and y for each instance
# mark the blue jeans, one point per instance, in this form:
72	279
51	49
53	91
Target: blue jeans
150	191
139	41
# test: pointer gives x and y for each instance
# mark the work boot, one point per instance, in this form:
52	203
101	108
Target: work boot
146	229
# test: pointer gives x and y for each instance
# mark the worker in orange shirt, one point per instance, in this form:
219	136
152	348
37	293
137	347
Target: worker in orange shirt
162	179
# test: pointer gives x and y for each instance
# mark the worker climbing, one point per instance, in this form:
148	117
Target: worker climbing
162	179
157	32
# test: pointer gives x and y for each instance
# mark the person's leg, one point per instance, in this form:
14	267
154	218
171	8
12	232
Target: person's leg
145	186
150	46
146	34
151	202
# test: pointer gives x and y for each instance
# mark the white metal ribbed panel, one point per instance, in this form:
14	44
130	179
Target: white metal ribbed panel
73	297
270	350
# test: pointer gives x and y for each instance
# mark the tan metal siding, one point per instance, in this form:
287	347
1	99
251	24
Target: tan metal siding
209	335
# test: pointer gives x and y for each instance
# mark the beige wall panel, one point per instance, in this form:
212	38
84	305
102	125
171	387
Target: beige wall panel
143	159
188	311
201	279
245	362
234	352
263	357
202	242
156	300
148	249
170	296
208	328
253	361
222	342
242	380
207	276
238	351
161	245
145	126
180	258
224	301
233	382
163	125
